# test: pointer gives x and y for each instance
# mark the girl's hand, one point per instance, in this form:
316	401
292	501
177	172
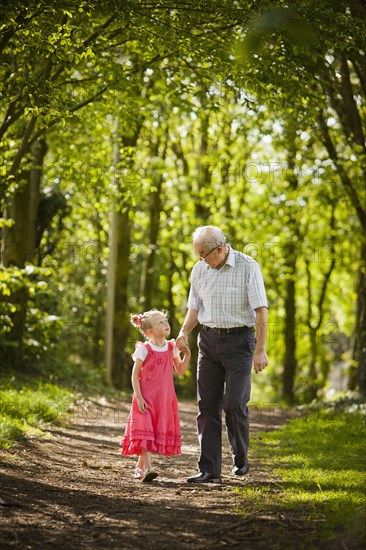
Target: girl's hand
185	349
142	405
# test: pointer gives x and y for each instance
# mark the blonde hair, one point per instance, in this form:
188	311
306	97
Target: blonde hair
143	321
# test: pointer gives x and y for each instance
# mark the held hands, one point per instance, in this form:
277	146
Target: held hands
180	364
184	348
182	343
260	361
142	405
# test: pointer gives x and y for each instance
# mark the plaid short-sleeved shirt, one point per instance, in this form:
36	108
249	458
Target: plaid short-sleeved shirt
227	297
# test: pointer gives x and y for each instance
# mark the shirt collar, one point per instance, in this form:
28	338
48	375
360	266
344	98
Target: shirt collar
230	260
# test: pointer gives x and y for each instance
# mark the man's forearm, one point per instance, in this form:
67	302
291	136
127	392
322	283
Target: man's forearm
261	328
190	321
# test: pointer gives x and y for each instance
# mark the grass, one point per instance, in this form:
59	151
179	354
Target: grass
29	402
26	407
317	465
319	468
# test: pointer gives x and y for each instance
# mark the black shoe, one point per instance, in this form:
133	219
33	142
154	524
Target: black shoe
204	477
149	476
240	470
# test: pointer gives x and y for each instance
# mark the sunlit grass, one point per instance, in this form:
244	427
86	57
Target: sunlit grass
24	409
319	466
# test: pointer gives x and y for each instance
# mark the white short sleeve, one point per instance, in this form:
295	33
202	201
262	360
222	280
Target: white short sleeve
140	352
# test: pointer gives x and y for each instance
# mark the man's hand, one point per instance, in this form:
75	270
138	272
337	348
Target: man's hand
182	342
260	361
189	323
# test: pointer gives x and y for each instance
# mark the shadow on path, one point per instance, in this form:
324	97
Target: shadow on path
72	489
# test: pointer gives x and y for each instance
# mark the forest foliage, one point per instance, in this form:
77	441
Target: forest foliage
127	124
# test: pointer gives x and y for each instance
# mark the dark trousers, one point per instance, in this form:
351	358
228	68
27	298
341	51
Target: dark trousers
223	379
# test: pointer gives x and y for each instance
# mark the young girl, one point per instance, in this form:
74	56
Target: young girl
153	422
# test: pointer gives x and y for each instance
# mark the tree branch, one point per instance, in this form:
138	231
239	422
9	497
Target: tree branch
346	180
328	273
23	146
349	102
309	304
10	117
43	130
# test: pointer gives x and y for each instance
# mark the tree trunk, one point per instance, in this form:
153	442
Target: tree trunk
19	245
289	359
203	194
117	319
19	241
121	373
312	390
156	208
314	326
171	309
291	253
359	352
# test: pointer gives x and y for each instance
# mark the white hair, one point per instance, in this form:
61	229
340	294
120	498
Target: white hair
210	235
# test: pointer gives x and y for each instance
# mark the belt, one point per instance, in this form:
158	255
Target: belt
233	330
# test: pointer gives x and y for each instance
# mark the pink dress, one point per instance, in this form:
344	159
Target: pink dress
157	431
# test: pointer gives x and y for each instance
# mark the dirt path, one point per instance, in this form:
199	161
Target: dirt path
72	489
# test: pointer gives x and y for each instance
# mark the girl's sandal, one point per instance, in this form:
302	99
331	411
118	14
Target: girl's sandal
139	473
149	475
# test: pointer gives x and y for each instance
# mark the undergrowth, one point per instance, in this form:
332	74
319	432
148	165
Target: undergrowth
319	468
28	403
25	410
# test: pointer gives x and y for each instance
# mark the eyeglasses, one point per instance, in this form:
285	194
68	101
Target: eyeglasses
204	256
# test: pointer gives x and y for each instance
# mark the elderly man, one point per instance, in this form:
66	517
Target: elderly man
227	297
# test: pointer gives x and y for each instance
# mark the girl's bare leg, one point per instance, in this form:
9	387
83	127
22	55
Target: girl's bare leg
149	474
146	459
140	466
